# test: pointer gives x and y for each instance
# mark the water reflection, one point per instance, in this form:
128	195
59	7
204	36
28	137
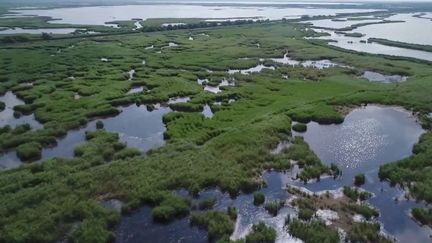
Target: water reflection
7	115
136	126
368	138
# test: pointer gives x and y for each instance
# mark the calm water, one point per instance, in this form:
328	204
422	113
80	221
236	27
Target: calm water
137	127
10	31
138	227
355	44
378	77
7	117
369	137
100	14
413	30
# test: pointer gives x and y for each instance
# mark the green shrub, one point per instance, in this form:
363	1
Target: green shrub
2	106
299	127
354	194
359	180
232	213
313	232
367	232
29	151
424	216
170	208
218	224
207	203
261	234
92	231
259	198
306	214
364	210
99	125
273	207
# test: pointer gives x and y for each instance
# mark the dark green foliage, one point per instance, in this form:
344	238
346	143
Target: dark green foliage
92	230
306	214
2	106
259	198
367	232
274	207
313	232
170	208
29	151
355	194
423	215
306	208
99	125
218	224
359	180
364	210
261	233
207	203
232	213
413	172
299	127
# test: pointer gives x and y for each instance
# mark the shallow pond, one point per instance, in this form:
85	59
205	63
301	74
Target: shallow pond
378	77
257	69
136	126
318	64
7	115
369	137
99	15
207	112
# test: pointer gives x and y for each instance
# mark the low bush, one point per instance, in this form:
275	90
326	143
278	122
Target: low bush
29	151
207	203
299	127
274	207
259	198
359	180
261	233
218	224
313	232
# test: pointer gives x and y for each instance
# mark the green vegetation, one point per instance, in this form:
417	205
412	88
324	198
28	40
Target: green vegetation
207	203
99	125
355	194
2	106
315	231
299	127
359	180
363	210
367	232
423	215
401	44
309	228
274	207
413	173
261	234
228	151
170	208
29	151
218	224
259	198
